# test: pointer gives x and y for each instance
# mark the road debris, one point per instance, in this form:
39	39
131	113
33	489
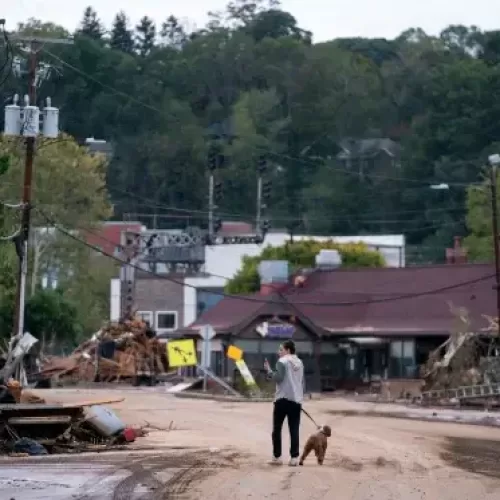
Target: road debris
37	429
126	350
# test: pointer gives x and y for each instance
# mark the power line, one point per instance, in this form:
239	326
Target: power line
107	240
193	212
256	148
261	301
370	245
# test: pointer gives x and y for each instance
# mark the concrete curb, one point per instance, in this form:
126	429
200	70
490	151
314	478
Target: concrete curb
227	399
486	421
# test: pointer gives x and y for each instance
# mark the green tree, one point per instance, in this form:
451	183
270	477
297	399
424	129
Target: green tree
146	36
479	241
121	35
301	255
253	76
35	27
69	183
274	23
173	33
69	189
91	25
49	316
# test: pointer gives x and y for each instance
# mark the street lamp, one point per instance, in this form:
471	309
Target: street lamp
494	161
440	187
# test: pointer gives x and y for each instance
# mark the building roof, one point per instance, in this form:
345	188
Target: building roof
98	146
348	301
108	236
367	148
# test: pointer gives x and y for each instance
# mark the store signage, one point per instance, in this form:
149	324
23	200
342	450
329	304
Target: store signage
276	330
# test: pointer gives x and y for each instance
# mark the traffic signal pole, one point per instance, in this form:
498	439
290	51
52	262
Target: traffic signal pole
211	206
258	219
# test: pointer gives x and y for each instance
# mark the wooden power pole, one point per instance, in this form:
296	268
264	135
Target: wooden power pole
35	45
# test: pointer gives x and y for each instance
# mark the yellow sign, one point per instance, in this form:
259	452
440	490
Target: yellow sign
234	353
245	373
181	353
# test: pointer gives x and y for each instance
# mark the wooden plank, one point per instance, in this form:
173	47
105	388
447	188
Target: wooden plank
94	402
61	419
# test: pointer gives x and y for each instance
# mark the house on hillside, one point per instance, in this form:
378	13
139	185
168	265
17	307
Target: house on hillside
369	155
97	146
352	326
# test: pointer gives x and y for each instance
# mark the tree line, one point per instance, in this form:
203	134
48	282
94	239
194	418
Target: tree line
255	83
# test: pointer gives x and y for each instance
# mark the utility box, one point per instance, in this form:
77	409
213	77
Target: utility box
12	119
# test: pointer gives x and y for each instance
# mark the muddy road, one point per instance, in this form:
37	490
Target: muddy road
219	451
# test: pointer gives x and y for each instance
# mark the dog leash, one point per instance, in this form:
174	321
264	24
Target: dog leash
311	419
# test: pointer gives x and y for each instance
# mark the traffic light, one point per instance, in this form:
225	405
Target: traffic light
217	225
266	190
213	157
262	165
265	226
218	192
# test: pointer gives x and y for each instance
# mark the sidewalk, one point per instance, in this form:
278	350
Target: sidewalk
392	410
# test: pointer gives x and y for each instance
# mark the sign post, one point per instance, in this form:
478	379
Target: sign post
207	334
236	354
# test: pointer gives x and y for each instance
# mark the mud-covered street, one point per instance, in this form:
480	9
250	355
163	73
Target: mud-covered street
219	450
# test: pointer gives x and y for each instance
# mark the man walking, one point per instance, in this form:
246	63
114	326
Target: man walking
289	378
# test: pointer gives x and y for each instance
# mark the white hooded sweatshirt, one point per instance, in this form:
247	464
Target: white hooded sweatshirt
289	378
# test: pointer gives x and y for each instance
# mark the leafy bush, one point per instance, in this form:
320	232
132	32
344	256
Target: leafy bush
301	254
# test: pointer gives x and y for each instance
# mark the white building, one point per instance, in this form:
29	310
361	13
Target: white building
224	261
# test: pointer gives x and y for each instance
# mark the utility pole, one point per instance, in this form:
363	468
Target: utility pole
261	169
213	163
263	196
26	203
495	160
211	206
29	128
131	249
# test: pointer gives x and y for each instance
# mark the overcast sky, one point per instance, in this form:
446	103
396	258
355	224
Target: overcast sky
327	19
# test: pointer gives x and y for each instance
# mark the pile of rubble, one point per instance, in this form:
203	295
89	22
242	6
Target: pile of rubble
124	350
30	426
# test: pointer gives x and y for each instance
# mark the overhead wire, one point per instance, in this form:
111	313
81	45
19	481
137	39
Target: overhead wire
148	203
264	301
121	248
424	184
374	245
262	149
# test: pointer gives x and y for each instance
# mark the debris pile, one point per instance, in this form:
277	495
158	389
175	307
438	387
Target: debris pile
453	364
465	368
40	429
124	350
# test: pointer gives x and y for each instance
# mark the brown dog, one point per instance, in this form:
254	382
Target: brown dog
318	443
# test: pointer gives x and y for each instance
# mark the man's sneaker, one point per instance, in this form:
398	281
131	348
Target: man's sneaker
293	462
276	461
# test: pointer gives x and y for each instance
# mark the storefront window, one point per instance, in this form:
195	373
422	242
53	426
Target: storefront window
403	359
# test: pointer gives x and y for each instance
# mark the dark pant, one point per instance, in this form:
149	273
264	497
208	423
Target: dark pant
283	408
